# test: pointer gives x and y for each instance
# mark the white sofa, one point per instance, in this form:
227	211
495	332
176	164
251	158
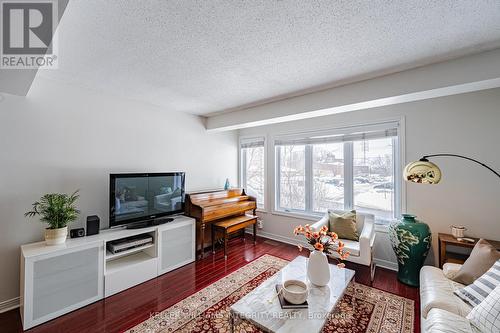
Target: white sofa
361	251
440	309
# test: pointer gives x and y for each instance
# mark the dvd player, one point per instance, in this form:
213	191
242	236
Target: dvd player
128	243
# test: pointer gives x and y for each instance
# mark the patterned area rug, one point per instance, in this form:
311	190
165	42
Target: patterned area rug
362	309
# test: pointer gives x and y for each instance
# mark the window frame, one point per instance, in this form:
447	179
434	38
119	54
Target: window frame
397	158
242	166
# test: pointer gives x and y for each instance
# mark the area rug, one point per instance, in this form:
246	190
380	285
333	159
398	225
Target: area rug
362	309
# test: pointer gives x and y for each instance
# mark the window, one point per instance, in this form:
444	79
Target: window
252	168
350	170
373	184
292	178
328	176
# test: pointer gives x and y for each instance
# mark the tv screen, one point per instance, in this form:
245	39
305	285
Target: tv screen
140	197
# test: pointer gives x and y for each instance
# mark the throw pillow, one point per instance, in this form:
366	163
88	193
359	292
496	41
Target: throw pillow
482	257
486	315
344	225
476	292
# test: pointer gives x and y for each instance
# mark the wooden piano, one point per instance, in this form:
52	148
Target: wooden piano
227	209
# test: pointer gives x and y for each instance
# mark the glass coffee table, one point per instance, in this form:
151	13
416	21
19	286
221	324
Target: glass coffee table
261	307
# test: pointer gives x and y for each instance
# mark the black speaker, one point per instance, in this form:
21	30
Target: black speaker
92	225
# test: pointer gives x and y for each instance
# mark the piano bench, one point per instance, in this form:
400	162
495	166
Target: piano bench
230	225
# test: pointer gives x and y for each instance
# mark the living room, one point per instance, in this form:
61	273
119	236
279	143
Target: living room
287	166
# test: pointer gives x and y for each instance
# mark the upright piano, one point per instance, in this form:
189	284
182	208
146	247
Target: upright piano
217	206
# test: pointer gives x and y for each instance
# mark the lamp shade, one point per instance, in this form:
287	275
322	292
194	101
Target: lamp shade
422	172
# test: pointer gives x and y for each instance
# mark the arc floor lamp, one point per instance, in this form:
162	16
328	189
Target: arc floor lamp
424	171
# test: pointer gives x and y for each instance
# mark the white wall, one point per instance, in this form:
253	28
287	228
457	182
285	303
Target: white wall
59	139
466	124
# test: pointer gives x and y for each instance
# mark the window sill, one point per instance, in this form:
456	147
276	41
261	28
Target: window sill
296	215
383	228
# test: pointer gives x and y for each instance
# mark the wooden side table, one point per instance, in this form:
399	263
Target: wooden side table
446	239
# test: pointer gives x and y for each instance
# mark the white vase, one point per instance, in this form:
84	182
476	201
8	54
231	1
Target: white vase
56	236
318	270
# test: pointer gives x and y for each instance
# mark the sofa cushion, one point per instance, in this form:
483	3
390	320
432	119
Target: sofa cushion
476	292
441	321
482	257
486	316
351	246
451	269
344	224
436	291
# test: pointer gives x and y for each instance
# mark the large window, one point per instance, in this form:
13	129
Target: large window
339	171
253	168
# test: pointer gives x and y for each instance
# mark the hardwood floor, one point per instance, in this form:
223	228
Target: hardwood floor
128	308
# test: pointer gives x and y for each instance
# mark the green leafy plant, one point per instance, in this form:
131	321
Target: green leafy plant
57	210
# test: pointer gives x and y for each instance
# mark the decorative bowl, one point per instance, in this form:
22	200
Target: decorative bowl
295	291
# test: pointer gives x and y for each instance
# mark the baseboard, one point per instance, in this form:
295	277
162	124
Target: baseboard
386	264
279	238
9	304
288	240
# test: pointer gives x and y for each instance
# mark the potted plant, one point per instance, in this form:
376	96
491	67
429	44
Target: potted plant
57	210
324	243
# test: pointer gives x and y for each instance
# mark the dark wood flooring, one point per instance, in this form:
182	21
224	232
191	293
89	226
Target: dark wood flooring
130	307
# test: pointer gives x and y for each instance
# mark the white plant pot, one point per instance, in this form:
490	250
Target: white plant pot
318	270
56	236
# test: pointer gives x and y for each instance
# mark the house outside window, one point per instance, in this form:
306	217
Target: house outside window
355	169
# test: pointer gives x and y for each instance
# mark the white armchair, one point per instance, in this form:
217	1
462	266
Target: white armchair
362	251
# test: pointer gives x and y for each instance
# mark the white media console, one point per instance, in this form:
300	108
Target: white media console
58	279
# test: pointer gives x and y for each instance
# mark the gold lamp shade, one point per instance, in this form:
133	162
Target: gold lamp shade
422	172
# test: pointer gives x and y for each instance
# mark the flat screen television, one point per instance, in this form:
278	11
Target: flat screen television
139	197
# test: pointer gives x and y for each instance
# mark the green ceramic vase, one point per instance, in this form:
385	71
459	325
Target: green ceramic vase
411	241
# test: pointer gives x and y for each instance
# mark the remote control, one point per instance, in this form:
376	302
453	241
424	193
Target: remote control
465	239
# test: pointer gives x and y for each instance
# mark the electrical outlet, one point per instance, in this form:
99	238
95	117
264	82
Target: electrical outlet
260	223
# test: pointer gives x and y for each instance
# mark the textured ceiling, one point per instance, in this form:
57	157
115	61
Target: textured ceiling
208	56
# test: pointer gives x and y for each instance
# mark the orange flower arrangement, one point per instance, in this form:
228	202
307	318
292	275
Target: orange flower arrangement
323	241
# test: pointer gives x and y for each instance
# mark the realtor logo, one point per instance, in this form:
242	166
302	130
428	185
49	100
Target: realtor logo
28	38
